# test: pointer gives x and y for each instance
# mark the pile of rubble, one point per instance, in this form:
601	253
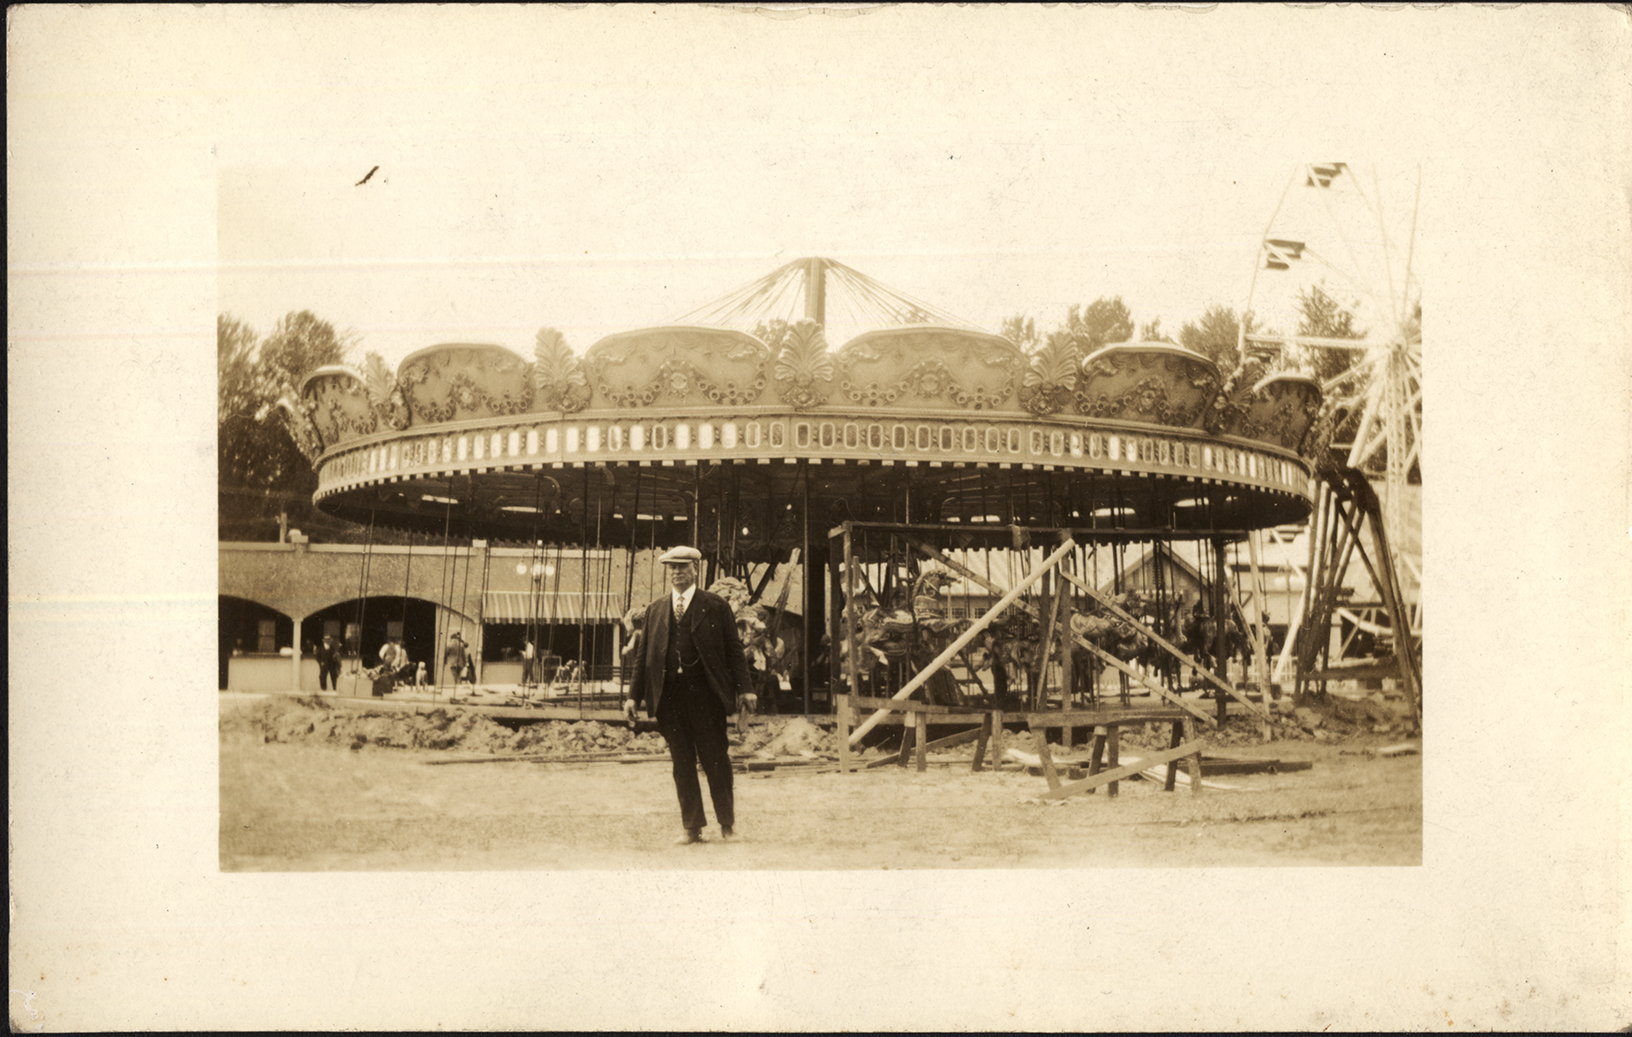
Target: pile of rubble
312	719
1336	719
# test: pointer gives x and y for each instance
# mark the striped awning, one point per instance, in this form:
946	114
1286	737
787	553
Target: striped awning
550	607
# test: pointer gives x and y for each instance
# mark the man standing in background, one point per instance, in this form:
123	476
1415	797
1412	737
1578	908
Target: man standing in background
328	665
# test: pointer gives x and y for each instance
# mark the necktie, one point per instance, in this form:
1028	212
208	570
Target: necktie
679	607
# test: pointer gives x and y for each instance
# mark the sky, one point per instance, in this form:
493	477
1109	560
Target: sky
582	188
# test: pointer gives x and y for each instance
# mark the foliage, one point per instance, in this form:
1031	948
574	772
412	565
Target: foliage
261	474
1152	332
1217	336
1086	328
1101	323
1325	317
1022	331
772	332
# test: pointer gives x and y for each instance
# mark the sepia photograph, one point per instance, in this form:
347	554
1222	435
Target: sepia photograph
835	517
957	569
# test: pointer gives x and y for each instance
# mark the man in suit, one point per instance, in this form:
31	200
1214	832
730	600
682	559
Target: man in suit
328	665
690	675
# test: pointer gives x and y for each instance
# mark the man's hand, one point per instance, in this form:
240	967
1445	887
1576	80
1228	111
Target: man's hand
749	703
629	708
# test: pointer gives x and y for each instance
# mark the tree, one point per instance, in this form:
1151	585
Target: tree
261	474
1217	336
772	332
1152	332
1325	317
1022	331
299	344
1101	323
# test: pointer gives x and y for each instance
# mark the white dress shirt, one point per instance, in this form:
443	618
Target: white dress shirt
680	602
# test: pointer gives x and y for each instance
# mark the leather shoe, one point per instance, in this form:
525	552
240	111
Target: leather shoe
689	838
728	833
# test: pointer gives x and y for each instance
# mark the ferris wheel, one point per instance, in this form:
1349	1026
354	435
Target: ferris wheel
1334	294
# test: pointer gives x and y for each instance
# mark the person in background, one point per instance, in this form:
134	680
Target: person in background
328	665
691	675
458	655
528	653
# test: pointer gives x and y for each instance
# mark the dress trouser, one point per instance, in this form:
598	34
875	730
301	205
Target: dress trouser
328	676
692	721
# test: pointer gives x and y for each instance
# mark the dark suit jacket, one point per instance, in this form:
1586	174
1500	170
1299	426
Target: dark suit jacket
713	631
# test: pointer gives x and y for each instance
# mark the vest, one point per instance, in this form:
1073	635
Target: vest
681	655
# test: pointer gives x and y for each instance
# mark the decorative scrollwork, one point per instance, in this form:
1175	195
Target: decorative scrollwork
297	419
462	390
1050	379
413	376
1146	400
678	377
385	397
804	368
559	379
469	395
1233	399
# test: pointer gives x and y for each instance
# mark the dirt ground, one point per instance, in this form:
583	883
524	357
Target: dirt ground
306	786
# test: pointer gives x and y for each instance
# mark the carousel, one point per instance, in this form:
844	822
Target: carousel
958	519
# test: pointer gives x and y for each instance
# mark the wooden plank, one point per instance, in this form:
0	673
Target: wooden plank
1096	753
906	745
1168	646
1111	660
922	741
997	739
1193	763
1098	717
963	639
1049	773
1173	765
958	739
1118	773
1066	676
985	737
1113	754
911	706
842	704
993	588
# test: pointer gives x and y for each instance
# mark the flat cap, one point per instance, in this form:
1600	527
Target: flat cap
680	556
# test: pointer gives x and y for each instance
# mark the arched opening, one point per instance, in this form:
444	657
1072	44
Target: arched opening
252	638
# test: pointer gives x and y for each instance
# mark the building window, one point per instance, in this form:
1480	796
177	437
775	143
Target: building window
875	437
682	436
592	436
852	436
728	435
779	434
705	435
660	437
801	434
923	437
898	437
971	440
266	640
753	434
828	434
